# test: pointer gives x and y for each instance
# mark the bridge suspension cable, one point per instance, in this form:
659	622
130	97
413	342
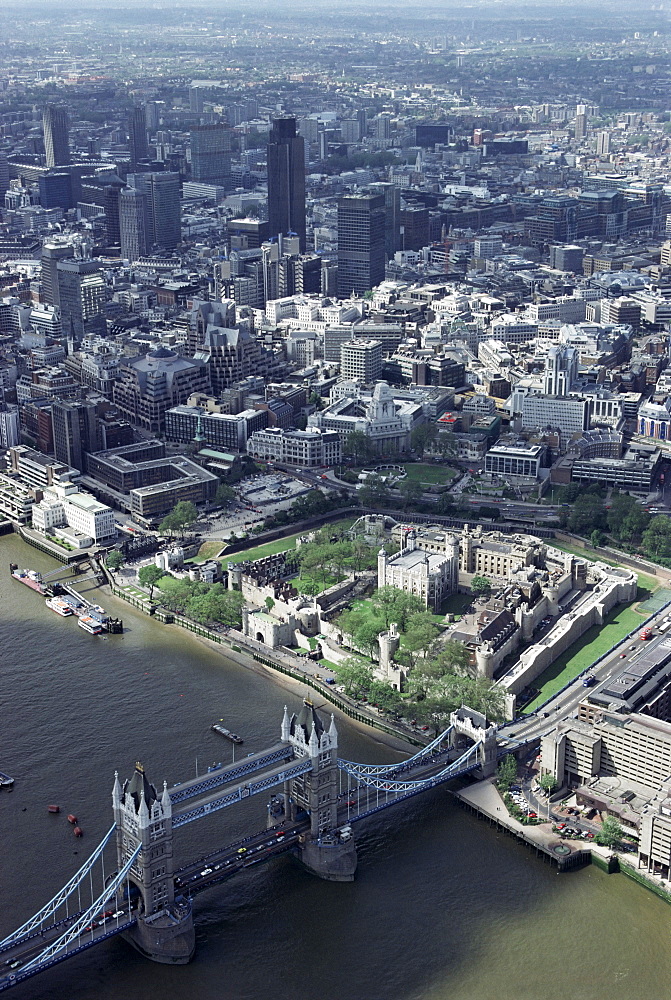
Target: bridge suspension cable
387	784
86	917
370	769
59	899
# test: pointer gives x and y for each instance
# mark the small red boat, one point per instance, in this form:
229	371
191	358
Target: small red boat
78	832
53	809
72	819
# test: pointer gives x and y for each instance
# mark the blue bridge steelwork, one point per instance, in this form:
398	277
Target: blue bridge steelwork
317	798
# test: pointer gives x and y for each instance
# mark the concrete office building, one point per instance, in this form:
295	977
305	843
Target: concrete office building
211	154
56	135
361	243
133	223
286	180
81	293
361	360
50	256
308	449
75	429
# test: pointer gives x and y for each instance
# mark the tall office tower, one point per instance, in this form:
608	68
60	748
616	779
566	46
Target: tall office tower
4	174
152	115
137	136
580	128
111	194
350	130
133	223
196	99
81	290
56	133
392	216
75	428
602	143
286	180
211	154
361	360
10	425
51	254
561	370
361	237
163	207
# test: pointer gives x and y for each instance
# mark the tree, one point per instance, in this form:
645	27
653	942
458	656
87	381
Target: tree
185	514
506	773
115	559
588	512
656	541
225	495
359	446
384	696
610	833
481	586
355	676
269	603
447	444
395	605
149	577
375	493
422	437
420	636
596	538
366	637
411	493
548	782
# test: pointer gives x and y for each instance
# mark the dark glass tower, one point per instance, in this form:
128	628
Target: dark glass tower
137	136
361	236
56	134
286	180
211	154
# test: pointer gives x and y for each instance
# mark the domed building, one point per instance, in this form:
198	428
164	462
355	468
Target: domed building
152	384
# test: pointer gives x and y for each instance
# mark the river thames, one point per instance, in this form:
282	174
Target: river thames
442	908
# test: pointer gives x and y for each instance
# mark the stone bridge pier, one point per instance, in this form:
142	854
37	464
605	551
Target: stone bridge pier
324	850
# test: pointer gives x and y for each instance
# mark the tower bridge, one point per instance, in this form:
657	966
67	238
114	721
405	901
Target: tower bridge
130	884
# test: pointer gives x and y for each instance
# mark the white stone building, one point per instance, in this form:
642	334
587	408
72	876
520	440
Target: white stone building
308	449
429	575
64	505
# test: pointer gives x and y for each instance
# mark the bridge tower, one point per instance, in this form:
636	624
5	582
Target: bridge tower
325	851
164	931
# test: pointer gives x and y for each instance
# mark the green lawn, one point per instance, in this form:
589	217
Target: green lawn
280	545
328	665
596	641
208	550
646	584
418	472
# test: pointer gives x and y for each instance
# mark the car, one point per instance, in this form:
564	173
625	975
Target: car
15	965
623	656
532	814
425	729
280	838
206	871
217	867
118	913
270	843
242	850
632	647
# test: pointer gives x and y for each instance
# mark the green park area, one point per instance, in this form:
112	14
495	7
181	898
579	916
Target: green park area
279	545
594	643
434	475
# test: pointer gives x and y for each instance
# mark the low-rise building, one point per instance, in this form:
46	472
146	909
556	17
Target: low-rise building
309	449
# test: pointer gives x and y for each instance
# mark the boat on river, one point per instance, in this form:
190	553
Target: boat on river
233	737
90	624
5	780
58	605
30	577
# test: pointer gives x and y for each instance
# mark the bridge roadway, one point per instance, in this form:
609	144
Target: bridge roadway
565	704
13	959
356	803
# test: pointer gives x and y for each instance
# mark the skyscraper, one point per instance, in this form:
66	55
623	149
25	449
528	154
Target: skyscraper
137	136
81	290
286	180
163	207
75	432
211	154
361	238
56	129
133	223
51	254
